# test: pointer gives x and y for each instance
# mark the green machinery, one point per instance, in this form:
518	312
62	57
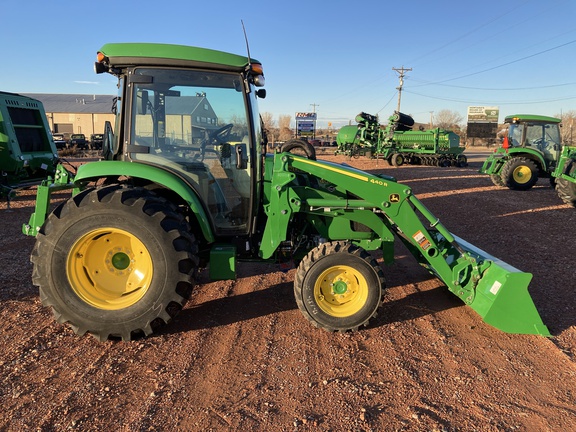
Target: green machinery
186	183
533	149
27	153
398	143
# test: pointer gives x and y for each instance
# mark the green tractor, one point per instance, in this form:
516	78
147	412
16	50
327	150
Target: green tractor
27	152
533	149
186	183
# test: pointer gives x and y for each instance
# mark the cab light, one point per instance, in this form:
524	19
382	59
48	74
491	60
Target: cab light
257	69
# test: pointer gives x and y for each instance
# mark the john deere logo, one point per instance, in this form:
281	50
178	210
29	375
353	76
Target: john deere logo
394	198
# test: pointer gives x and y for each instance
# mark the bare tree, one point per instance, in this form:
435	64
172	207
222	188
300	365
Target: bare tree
284	126
568	126
447	119
268	120
270	128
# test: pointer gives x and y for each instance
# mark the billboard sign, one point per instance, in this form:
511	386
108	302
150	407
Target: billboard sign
483	114
305	123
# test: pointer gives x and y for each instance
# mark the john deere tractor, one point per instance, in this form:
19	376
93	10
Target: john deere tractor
185	183
532	149
27	151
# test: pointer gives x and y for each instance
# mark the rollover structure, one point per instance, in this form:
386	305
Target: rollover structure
399	144
186	183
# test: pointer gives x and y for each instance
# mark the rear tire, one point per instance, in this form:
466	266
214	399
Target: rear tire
115	262
519	173
566	189
339	287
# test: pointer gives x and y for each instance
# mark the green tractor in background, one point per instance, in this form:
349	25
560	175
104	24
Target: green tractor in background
532	149
186	183
27	152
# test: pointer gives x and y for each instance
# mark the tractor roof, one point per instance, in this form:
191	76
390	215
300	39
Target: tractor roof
154	54
531	117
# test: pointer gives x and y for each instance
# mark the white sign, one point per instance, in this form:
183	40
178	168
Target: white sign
482	114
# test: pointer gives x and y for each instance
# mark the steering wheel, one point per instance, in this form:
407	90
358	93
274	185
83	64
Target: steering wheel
221	135
539	142
218	136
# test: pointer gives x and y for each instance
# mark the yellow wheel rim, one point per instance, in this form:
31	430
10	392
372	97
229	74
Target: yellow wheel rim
109	268
522	174
341	291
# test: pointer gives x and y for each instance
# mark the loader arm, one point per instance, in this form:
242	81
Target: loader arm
333	197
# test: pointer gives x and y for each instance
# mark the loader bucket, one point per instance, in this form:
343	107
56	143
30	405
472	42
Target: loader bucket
502	298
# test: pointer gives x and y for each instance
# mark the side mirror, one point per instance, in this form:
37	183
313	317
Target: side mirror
261	93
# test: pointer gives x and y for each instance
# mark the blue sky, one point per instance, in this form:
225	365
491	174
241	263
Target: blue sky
337	55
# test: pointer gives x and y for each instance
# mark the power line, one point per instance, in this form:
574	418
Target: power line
390	100
491	102
425	83
476	29
506	64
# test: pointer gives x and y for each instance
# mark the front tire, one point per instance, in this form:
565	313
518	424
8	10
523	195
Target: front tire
519	173
115	262
339	287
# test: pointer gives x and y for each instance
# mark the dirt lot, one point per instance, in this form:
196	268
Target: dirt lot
242	357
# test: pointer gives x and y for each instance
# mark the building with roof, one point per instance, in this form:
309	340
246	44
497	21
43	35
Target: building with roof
86	114
76	113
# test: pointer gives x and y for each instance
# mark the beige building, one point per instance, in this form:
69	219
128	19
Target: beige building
76	113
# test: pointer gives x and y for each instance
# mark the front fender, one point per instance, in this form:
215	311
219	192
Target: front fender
95	170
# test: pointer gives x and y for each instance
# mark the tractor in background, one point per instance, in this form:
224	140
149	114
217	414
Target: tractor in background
398	144
27	152
532	149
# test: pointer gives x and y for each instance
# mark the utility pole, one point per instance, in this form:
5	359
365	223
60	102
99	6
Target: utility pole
314	105
400	72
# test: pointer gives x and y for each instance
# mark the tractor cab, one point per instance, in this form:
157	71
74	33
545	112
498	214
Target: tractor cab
200	124
539	133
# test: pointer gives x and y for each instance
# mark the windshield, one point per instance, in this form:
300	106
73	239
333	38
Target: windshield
195	124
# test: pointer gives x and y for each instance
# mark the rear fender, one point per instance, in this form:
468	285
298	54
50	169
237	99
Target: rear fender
96	170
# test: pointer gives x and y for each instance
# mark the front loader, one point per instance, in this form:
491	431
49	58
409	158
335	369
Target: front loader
185	183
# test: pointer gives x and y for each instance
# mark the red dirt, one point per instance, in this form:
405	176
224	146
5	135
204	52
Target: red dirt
241	357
